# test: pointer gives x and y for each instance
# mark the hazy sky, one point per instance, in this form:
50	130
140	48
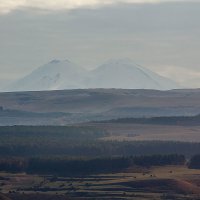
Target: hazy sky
161	35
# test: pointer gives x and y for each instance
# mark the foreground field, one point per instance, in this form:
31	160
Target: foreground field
170	182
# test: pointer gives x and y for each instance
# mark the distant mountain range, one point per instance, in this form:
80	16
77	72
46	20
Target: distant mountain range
121	73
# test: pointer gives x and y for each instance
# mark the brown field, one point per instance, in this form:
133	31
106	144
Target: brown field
141	132
170	182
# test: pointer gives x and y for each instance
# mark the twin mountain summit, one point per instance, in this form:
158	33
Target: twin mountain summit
121	73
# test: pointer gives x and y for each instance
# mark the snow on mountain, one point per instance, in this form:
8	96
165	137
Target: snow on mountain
55	75
122	73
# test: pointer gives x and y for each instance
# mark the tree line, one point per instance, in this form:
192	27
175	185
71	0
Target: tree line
195	162
171	120
77	141
62	146
66	166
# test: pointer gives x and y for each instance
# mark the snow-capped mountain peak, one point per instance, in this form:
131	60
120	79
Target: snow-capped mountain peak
115	73
124	73
54	75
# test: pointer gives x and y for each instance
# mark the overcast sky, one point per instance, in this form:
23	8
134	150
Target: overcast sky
163	36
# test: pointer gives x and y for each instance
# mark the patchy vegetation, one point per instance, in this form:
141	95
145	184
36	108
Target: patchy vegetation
155	183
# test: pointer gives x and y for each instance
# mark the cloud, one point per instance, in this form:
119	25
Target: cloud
7	6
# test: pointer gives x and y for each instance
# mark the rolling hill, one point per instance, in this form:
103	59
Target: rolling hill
73	106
